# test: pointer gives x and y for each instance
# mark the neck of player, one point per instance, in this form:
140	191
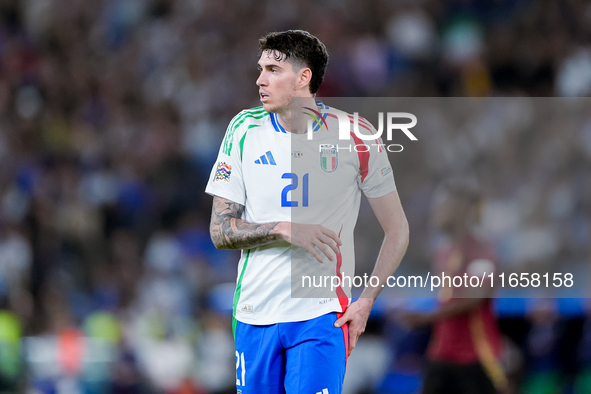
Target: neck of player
293	118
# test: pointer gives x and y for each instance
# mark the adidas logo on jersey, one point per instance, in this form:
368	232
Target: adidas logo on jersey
324	391
267	158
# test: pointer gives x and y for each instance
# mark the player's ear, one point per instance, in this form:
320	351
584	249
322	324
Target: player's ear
304	77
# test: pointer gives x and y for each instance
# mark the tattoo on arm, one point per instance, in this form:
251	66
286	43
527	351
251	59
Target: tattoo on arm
229	231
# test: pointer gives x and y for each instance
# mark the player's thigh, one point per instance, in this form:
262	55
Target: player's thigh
317	357
260	364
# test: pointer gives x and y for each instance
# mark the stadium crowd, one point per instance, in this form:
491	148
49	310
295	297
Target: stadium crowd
111	114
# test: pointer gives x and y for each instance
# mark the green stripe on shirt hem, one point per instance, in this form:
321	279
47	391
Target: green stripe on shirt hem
237	294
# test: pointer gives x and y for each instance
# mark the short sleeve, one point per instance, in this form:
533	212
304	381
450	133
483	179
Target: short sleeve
225	179
375	172
481	258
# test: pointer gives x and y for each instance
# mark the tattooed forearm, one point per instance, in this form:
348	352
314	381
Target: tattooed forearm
229	231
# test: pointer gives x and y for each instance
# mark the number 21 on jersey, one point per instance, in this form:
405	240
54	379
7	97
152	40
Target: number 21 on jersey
292	187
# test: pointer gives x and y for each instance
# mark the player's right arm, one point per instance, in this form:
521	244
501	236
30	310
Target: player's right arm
229	231
227	228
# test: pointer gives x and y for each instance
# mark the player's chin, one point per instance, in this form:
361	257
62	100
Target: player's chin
269	107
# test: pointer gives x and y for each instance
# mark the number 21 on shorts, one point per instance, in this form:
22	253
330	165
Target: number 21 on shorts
240	365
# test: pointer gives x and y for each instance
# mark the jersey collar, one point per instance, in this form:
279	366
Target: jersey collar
280	129
276	124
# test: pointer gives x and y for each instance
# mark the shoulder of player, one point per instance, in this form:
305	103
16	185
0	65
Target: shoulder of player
248	118
477	246
239	125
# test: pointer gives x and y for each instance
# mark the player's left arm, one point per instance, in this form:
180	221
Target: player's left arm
472	298
458	307
390	214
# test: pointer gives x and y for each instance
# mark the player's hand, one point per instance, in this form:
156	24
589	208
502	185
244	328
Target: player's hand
310	237
356	315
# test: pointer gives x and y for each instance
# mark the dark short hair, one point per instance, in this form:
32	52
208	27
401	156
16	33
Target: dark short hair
462	188
300	47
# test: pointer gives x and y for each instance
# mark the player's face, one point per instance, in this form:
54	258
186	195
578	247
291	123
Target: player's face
277	82
447	212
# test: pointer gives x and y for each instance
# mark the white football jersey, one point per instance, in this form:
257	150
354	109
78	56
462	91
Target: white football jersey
280	176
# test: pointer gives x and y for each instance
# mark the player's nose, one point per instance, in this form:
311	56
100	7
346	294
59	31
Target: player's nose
262	80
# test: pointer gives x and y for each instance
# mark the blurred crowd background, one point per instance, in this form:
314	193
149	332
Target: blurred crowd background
111	115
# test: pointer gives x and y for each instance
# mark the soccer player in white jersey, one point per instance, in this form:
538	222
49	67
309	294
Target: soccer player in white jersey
276	215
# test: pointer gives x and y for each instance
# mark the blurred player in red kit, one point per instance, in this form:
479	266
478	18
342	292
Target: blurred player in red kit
465	345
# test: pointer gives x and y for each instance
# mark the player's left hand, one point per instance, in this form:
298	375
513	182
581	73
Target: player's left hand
356	315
